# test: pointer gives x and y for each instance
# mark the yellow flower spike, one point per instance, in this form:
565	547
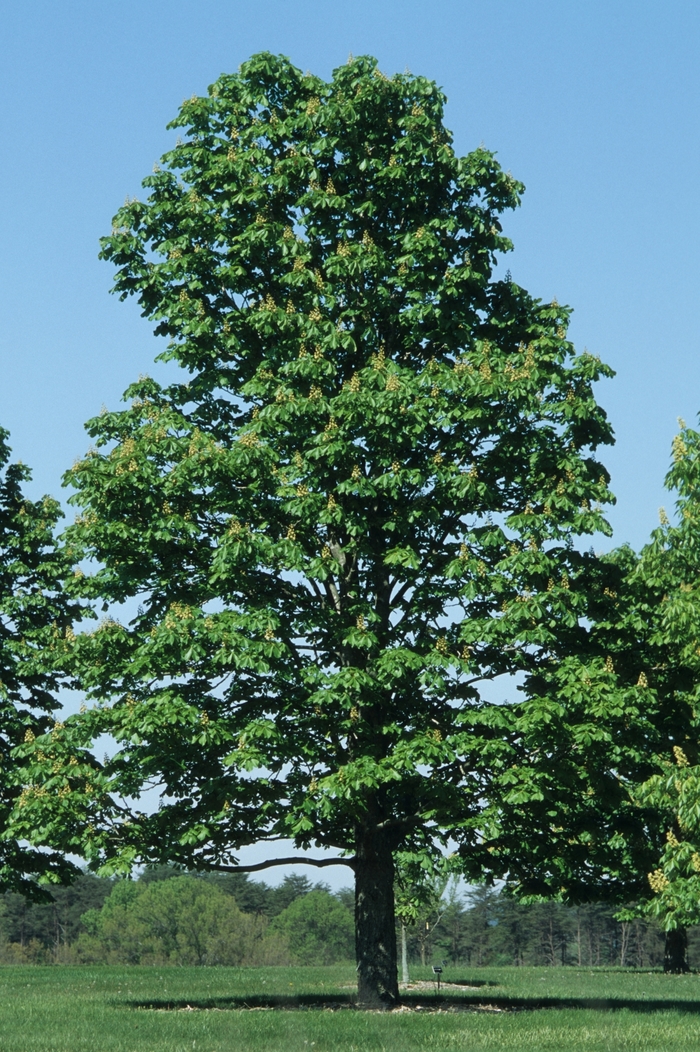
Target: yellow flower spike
680	757
642	681
361	627
658	881
679	448
609	666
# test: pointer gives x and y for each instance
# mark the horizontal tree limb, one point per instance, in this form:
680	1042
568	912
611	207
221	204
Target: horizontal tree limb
293	860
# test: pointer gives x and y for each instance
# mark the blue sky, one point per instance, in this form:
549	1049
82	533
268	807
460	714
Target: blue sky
593	105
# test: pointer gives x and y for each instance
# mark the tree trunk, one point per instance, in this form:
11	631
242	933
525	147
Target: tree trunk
375	925
676	952
404	955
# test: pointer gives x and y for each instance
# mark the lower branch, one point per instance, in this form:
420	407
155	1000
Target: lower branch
293	860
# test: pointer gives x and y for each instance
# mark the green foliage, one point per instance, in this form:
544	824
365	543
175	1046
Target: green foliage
491	929
35	628
30	929
318	929
182	921
362	505
667	615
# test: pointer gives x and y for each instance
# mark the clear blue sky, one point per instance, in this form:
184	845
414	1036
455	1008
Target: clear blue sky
593	105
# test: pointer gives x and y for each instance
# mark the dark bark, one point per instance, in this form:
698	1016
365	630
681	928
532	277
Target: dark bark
676	952
375	928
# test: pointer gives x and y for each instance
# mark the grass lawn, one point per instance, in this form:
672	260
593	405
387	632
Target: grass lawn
103	1009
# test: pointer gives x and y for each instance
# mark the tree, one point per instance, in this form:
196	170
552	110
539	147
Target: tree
35	619
318	928
361	504
51	925
668	618
637	840
180	920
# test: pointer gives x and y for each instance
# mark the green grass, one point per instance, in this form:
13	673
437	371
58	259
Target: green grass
104	1009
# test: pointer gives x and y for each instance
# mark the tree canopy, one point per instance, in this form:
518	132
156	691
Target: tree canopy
362	503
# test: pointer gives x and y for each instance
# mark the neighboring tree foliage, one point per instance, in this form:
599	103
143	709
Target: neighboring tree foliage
662	605
364	503
166	917
177	921
169	917
35	617
47	930
318	929
494	929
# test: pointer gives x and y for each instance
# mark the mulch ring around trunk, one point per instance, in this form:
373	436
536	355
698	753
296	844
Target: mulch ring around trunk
414	999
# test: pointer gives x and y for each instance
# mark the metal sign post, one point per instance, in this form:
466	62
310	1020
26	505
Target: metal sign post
438	972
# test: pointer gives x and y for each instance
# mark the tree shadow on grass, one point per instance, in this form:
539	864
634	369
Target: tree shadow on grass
443	1002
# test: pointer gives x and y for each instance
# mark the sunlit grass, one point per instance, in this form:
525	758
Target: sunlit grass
102	1009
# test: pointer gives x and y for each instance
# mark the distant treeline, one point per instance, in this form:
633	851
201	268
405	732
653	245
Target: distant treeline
165	917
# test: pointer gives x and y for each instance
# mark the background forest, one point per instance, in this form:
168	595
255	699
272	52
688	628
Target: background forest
166	917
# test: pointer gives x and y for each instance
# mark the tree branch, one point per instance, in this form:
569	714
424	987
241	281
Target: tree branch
293	860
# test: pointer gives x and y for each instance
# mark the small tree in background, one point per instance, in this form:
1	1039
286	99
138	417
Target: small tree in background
360	505
318	928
